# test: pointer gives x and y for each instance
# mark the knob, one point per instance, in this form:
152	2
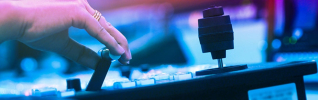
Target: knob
104	53
213	11
216	33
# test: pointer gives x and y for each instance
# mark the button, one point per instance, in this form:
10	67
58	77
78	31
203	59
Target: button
74	84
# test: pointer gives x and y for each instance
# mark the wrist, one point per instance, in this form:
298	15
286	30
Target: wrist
11	20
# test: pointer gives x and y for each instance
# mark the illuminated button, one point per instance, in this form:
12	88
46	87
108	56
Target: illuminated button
162	76
120	85
46	91
181	76
110	82
68	93
145	82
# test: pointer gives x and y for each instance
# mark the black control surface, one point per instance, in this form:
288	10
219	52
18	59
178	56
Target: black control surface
225	86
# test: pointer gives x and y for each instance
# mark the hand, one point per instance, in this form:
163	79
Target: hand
45	26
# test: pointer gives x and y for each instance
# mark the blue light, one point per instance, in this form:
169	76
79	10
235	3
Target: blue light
297	33
53	63
28	64
276	43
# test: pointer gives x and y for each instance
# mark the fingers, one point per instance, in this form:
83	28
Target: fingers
62	44
92	26
80	54
75	51
120	38
88	7
97	31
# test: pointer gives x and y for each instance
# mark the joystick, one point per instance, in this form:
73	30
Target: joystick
216	33
101	70
98	77
216	36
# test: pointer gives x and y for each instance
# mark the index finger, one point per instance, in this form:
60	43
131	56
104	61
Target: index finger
119	37
92	26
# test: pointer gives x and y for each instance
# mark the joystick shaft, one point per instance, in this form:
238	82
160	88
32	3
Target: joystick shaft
100	72
220	63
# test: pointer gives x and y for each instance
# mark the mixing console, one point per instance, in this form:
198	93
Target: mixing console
244	84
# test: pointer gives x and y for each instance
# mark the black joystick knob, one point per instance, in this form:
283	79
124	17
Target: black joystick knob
213	11
216	33
216	36
74	84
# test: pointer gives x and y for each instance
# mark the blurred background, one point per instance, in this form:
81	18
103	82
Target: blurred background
165	33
